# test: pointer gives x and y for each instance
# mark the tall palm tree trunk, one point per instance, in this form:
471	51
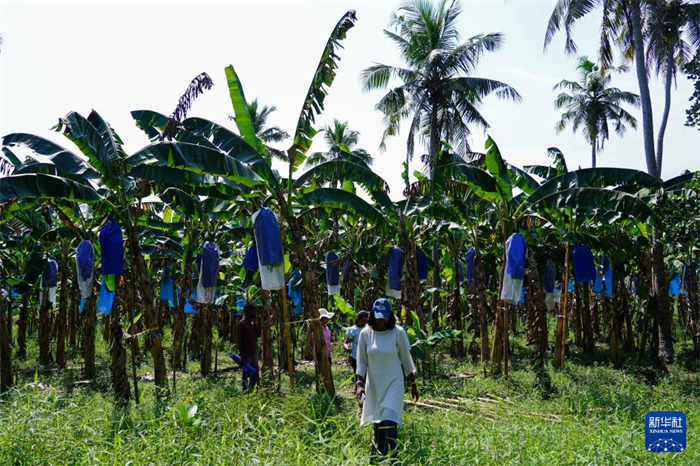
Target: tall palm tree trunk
643	80
667	111
663	310
593	155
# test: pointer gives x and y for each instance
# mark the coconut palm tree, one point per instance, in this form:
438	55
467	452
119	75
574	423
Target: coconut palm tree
339	138
673	34
623	19
437	89
593	105
259	115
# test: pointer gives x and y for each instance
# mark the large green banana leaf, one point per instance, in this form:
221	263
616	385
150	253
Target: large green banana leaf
480	181
342	170
323	78
595	178
90	142
11	157
332	198
52	157
39	185
498	168
197	159
678	182
232	144
240	109
150	122
595	201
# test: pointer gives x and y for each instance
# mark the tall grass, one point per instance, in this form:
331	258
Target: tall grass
595	416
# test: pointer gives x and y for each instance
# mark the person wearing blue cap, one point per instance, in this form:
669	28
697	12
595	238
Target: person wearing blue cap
383	355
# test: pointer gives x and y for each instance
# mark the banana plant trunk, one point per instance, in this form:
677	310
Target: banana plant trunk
44	329
264	324
75	300
561	334
90	330
142	280
537	320
483	322
205	361
179	321
588	339
61	319
694	310
6	377
663	305
22	327
117	352
457	346
324	377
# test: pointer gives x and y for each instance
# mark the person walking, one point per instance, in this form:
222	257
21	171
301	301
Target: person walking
325	317
352	334
383	356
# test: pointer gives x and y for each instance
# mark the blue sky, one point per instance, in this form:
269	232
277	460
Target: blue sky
120	56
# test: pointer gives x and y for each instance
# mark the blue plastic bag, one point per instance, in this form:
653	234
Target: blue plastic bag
210	265
166	286
332	269
295	292
516	248
584	265
607	276
550	272
189	309
49	276
85	258
105	300
470	258
267	237
422	263
396	261
250	261
112	245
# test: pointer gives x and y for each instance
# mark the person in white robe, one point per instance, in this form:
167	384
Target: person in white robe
383	357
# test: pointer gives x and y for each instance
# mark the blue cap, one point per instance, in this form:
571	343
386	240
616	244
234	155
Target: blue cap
381	308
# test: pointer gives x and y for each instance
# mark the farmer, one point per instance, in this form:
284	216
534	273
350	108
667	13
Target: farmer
248	332
352	334
383	354
325	318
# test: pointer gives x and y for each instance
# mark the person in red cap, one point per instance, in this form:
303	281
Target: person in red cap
383	355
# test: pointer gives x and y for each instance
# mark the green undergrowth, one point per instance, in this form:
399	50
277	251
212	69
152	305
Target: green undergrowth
594	415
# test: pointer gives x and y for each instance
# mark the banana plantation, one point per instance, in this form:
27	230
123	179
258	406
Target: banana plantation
125	273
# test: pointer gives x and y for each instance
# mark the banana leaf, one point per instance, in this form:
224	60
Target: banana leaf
39	185
332	198
197	159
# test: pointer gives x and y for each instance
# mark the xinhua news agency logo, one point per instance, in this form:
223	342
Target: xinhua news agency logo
665	431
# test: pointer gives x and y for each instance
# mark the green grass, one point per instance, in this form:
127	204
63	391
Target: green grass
594	416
